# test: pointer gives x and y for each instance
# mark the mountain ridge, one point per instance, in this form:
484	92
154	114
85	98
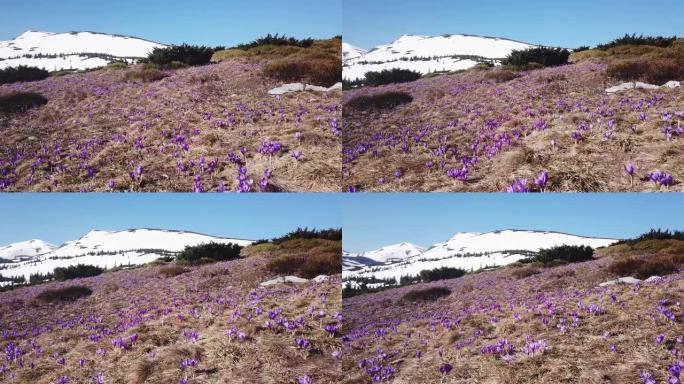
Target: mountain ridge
425	54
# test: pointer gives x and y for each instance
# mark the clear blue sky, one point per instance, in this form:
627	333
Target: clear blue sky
372	220
56	218
210	22
367	23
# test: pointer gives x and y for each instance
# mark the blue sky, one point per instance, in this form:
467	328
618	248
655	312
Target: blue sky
549	22
56	217
372	220
210	22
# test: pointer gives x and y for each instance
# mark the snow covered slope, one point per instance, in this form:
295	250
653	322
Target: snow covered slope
72	50
395	252
108	249
473	251
426	54
353	261
25	250
472	243
351	52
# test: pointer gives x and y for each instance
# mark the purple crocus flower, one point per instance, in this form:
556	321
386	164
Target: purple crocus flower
541	180
518	186
445	368
398	173
304	380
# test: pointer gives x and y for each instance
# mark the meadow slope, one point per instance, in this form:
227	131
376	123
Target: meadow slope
522	325
481	129
170	324
135	129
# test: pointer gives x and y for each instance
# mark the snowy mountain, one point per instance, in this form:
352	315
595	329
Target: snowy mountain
353	261
71	50
393	253
474	251
427	54
25	250
351	52
108	249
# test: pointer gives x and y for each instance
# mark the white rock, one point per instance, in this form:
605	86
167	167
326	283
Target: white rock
283	280
336	87
321	278
631	85
622	280
653	279
672	84
299	87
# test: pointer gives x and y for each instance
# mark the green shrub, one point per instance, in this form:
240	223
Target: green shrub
569	253
65	294
395	75
582	48
384	100
441	274
277	41
427	294
145	74
306	233
188	54
76	271
212	251
654	234
657	41
22	73
545	56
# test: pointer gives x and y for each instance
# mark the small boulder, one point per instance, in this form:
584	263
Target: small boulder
284	280
653	279
297	87
631	85
321	278
672	84
621	280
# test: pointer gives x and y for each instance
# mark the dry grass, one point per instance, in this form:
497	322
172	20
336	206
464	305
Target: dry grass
209	299
145	74
172	270
427	294
500	76
486	307
217	108
306	258
453	108
64	294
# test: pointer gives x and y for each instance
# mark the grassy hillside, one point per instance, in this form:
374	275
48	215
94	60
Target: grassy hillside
169	323
144	128
483	129
552	326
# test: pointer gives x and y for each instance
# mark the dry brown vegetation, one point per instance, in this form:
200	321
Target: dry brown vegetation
319	64
500	75
305	258
173	270
64	294
157	309
145	74
427	294
487	307
382	100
